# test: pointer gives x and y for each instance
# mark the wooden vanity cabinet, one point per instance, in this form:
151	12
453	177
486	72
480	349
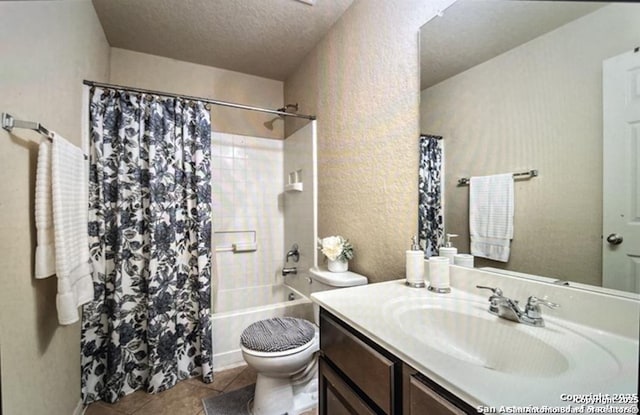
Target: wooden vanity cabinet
358	377
336	396
371	372
423	397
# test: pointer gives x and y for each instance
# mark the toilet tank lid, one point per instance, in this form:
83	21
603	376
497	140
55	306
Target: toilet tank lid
338	279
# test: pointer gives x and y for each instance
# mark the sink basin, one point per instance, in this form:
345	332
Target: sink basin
466	331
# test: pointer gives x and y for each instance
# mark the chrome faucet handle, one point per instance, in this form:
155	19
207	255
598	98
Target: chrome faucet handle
293	252
534	301
494	298
532	310
496	291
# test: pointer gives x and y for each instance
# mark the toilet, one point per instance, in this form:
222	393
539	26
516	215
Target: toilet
282	350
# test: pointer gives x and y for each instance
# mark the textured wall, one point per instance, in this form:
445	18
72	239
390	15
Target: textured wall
536	106
48	48
169	75
362	82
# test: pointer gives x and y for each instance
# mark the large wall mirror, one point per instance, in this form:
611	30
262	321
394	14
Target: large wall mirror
518	85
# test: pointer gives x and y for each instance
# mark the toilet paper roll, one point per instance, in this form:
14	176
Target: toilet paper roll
463	260
439	272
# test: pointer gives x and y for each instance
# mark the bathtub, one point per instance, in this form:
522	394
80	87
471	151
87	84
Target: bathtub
236	309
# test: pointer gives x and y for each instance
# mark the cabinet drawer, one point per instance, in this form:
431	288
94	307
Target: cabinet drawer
368	369
337	398
424	400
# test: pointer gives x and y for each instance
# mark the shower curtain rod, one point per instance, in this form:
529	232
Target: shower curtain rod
207	100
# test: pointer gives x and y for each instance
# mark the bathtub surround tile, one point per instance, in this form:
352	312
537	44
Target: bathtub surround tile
249	184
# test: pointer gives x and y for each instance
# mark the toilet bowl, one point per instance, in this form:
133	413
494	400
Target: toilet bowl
282	351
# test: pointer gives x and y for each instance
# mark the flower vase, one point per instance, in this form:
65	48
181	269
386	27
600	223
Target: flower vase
338	265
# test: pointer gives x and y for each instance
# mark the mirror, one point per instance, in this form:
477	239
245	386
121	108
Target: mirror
513	86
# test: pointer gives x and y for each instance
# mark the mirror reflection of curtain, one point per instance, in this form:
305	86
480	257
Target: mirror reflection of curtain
149	231
430	220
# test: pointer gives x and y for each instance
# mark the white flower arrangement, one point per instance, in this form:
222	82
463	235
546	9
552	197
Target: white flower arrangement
336	248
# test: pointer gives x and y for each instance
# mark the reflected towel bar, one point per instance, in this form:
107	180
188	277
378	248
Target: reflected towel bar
529	174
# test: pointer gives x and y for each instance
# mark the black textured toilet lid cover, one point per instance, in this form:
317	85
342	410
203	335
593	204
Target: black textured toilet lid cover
277	334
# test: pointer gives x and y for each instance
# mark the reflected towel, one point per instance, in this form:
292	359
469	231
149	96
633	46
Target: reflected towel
491	206
70	209
45	259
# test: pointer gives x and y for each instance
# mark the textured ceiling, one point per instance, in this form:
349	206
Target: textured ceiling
267	38
473	31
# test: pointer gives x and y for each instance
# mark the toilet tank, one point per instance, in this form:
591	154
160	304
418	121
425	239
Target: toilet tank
323	280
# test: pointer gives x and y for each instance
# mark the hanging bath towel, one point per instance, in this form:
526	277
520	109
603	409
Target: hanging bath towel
491	206
45	260
70	207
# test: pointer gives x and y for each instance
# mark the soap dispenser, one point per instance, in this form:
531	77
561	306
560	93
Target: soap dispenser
448	250
415	265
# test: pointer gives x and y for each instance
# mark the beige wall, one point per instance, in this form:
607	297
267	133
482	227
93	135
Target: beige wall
48	48
169	75
362	82
538	106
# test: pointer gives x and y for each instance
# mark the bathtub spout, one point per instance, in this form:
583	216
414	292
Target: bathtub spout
291	270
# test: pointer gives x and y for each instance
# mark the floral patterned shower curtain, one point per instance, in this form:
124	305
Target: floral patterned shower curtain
150	239
430	222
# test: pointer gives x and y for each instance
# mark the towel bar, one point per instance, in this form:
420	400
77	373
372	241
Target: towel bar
529	174
9	123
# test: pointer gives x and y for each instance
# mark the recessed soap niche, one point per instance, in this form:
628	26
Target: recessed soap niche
294	181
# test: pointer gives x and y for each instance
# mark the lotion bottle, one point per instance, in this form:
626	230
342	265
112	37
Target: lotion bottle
449	250
415	265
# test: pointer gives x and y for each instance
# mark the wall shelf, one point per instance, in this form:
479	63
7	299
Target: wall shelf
293	187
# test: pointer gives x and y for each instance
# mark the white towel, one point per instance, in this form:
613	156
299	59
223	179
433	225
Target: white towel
491	207
45	248
69	195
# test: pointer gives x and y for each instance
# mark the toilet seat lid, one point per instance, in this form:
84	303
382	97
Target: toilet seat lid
277	334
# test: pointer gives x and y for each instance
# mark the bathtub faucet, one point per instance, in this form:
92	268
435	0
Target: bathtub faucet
289	270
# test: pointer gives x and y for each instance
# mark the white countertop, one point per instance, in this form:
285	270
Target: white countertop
370	309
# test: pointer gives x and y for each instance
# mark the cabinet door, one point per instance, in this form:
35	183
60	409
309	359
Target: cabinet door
372	372
425	401
336	397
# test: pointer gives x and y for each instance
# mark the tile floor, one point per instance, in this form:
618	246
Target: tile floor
183	399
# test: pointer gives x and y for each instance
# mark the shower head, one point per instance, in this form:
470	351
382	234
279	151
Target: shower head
269	124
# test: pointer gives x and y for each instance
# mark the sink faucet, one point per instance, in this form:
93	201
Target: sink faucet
509	309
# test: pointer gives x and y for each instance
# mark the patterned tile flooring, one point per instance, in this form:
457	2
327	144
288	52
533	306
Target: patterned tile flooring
183	399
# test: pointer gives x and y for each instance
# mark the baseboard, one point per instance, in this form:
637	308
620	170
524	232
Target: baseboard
80	408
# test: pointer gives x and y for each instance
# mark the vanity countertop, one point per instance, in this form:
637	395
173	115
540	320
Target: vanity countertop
387	314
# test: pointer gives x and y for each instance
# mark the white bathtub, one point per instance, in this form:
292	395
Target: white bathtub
235	309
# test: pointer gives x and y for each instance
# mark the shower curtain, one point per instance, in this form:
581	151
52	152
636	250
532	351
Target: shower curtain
430	221
150	240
